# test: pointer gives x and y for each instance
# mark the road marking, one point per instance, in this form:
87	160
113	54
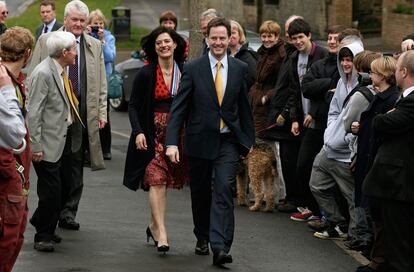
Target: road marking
120	134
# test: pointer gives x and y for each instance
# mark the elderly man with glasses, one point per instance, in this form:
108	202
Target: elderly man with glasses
3	15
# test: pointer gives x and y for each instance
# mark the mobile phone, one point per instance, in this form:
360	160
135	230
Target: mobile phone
94	29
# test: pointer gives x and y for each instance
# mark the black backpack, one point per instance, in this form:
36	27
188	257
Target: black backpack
363	90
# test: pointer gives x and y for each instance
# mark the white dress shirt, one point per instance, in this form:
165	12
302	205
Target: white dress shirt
49	26
408	91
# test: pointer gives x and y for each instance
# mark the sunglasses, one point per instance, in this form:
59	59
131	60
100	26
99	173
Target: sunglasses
5	12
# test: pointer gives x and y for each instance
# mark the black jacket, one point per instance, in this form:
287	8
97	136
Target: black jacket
321	77
391	175
295	99
246	55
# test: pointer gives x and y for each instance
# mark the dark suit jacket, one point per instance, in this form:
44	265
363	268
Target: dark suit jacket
392	173
39	29
197	105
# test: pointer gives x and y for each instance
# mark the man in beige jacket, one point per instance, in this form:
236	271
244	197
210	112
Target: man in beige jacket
89	83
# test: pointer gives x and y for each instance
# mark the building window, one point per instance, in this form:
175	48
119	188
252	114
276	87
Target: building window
248	2
272	2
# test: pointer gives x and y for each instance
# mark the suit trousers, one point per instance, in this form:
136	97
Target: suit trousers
72	191
398	219
52	178
213	187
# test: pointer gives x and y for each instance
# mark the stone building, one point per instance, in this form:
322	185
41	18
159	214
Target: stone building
374	18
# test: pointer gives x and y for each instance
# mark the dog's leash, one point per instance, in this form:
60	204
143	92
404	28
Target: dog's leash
269	127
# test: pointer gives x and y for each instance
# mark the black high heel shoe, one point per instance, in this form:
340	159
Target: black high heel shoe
163	249
149	234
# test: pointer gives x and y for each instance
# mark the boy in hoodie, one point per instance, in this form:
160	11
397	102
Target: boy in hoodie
332	165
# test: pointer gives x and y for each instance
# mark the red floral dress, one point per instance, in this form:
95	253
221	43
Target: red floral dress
160	171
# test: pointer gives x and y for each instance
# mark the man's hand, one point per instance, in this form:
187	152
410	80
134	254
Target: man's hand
37	156
280	120
173	154
407	45
355	127
141	142
308	121
295	128
101	124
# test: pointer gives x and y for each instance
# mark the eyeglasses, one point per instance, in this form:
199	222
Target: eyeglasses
5	12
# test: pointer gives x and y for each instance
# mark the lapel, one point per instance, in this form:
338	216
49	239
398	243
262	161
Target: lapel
206	75
58	82
230	78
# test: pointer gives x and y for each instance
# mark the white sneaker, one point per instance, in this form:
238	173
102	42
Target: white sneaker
331	234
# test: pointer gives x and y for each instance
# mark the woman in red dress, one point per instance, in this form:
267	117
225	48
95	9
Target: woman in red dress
146	165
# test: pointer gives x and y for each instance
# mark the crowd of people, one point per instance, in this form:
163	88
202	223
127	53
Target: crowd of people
337	119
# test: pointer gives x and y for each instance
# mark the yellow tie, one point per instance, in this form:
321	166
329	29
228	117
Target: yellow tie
72	98
218	82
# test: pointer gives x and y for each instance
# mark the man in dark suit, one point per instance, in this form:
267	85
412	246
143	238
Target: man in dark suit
212	101
390	179
48	13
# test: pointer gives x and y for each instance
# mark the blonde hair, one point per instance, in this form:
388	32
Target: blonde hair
97	13
385	66
240	30
270	27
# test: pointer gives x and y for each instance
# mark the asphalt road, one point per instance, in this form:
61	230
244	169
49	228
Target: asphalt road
112	235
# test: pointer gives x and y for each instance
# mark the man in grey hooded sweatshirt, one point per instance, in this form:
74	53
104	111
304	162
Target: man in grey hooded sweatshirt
331	166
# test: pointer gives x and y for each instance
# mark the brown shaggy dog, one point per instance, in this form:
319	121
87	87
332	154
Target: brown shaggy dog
261	170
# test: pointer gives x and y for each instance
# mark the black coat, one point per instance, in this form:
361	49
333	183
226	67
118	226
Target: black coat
141	117
246	55
196	104
391	175
295	97
322	76
368	142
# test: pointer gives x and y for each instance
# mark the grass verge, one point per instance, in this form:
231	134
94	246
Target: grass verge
30	19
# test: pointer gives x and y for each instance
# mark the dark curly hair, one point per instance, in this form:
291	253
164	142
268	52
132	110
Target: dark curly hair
148	44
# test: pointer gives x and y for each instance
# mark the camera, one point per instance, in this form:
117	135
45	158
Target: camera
364	79
94	29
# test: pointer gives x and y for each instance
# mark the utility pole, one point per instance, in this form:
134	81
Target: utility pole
196	38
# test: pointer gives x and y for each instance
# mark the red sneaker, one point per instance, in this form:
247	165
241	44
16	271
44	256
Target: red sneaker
304	214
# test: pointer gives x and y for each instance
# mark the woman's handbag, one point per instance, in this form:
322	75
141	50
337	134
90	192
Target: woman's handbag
115	82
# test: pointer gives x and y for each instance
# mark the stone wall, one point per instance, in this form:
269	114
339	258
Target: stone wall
395	26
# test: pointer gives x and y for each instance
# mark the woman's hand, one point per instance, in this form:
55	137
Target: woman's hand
295	128
141	142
